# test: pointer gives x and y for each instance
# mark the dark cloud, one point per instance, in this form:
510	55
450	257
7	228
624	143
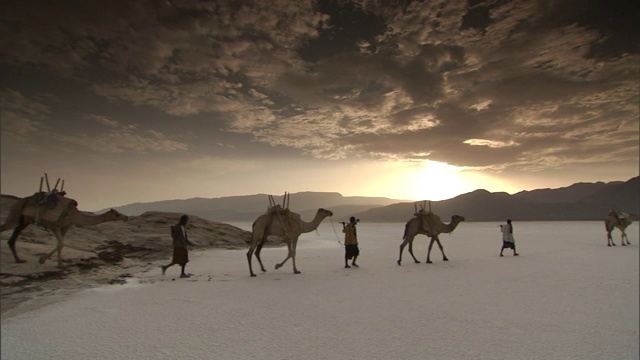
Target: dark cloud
348	28
492	84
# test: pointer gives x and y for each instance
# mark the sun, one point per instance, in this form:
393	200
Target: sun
438	181
428	180
417	181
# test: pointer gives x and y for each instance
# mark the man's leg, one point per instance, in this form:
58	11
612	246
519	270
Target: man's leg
165	267
184	274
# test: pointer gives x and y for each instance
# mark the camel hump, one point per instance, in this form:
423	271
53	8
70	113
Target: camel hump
623	218
284	213
430	222
49	207
278	209
626	219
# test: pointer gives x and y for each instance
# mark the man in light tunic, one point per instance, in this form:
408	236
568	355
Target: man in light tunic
508	242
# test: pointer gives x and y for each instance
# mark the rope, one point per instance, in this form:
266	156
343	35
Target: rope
335	232
478	225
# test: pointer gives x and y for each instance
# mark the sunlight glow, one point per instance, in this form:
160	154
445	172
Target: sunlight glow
490	143
428	180
438	181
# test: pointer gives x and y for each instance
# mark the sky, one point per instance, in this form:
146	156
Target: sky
138	101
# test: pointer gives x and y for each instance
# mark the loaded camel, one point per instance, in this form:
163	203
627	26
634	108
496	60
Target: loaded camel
427	223
54	212
620	220
279	221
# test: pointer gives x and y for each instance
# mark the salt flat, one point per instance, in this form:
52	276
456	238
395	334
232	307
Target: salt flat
567	296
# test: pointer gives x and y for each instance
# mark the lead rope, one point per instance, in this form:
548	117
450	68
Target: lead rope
472	224
335	232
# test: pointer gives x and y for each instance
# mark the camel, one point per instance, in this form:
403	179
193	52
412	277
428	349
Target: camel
427	223
279	221
620	220
54	212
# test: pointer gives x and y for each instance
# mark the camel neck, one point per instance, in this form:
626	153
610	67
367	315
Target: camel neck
310	226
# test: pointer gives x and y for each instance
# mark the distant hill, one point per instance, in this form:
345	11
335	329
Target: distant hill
249	207
583	201
580	201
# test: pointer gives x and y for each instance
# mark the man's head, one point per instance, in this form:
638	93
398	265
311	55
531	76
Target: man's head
184	219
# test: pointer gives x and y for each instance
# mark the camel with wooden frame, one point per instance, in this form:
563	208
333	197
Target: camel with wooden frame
52	211
281	222
427	223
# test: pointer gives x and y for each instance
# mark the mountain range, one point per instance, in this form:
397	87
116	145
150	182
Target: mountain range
580	201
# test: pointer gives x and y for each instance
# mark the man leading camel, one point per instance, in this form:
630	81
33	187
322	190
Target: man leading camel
180	243
350	242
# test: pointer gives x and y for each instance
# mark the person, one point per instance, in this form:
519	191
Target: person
180	243
508	242
350	242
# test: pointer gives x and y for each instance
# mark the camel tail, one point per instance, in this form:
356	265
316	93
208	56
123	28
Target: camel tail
406	227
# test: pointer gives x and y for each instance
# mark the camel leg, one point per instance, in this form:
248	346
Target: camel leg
12	242
407	240
289	254
444	257
62	233
260	245
411	252
624	237
249	256
293	257
404	243
429	251
609	229
58	248
257	241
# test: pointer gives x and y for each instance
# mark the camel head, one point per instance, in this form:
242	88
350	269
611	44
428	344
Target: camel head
324	213
457	218
113	215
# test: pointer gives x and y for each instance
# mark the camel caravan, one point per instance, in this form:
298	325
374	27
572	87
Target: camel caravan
53	211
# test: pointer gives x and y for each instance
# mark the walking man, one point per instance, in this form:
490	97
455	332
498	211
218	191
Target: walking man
180	243
508	242
350	242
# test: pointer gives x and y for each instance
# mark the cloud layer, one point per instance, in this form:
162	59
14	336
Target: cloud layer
520	85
